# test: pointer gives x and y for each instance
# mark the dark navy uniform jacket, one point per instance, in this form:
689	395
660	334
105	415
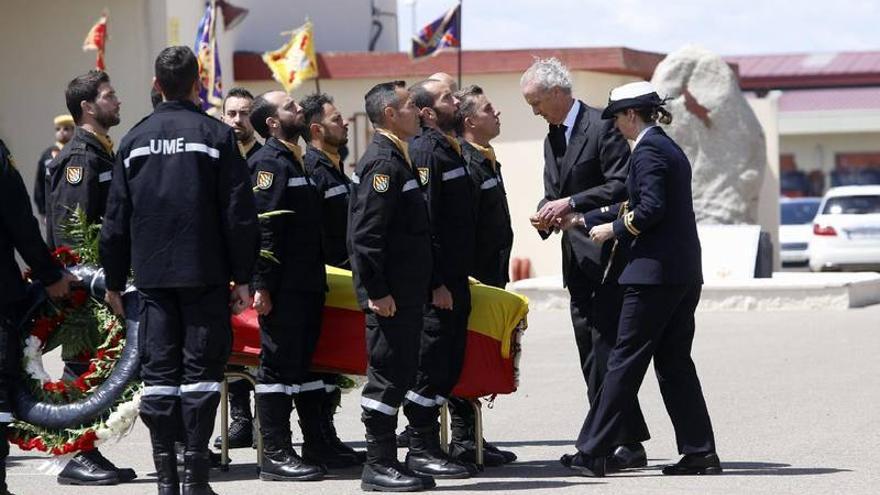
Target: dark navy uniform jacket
251	152
41	179
389	233
334	188
443	173
181	210
78	177
660	225
593	173
294	239
494	236
20	232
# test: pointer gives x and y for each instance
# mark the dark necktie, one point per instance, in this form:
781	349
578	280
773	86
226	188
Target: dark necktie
557	140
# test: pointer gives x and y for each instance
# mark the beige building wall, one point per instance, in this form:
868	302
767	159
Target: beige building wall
818	151
519	147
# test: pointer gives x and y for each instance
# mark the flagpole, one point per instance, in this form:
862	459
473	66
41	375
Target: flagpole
460	32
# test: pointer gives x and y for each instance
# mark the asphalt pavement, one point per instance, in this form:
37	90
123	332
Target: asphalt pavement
794	399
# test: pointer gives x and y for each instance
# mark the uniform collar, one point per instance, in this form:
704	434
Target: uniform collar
401	144
59	145
245	149
487	152
642	134
294	148
103	140
454	143
172	105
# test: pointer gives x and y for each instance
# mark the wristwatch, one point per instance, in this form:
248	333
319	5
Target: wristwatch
571	203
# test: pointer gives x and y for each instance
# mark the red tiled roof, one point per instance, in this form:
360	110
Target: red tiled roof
808	70
356	65
830	99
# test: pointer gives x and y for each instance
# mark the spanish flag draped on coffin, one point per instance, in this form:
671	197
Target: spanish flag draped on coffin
496	323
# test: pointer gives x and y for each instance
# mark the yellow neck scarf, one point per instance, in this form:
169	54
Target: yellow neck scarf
105	141
454	143
487	151
244	149
294	148
401	145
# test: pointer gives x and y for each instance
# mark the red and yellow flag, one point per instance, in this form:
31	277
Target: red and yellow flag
97	39
294	62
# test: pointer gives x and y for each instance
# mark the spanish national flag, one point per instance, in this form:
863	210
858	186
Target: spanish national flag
294	62
96	40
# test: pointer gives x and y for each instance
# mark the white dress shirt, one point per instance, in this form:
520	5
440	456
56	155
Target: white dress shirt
569	120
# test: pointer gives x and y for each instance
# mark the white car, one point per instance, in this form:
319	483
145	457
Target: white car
796	228
846	231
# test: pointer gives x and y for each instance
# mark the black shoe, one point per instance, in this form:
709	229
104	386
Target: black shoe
627	457
403	438
125	474
166	473
592	467
241	434
286	465
466	452
82	469
390	476
695	464
508	455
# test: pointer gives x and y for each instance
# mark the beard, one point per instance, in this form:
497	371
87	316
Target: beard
335	141
107	119
447	122
293	130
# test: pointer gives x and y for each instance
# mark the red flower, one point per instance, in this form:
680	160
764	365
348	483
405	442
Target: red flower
80	384
39	445
65	256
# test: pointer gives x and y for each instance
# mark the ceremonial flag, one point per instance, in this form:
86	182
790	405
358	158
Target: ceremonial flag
444	32
96	40
294	62
210	80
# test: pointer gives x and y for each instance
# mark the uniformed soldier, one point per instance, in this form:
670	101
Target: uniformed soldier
390	252
479	123
20	232
237	108
79	177
181	214
442	171
63	134
662	281
236	113
327	133
290	291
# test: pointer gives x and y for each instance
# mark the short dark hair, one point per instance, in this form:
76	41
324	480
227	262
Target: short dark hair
380	96
654	114
238	92
260	111
83	88
313	109
177	69
422	98
467	98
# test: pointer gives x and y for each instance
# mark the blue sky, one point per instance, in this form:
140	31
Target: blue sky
727	27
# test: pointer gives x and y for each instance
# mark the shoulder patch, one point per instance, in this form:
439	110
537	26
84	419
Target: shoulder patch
264	179
424	175
381	182
73	174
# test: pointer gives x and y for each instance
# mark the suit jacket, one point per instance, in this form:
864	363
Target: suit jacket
660	225
593	172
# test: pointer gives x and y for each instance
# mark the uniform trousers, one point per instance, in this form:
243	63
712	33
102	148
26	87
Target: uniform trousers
392	363
186	337
656	321
289	335
441	356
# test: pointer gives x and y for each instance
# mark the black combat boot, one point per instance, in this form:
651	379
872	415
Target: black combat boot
425	456
318	446
463	446
84	469
166	471
241	428
383	473
196	466
280	462
329	404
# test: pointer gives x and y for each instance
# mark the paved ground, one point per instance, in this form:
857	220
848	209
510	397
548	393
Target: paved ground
794	398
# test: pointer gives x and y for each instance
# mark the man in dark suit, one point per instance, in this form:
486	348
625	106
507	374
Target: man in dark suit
585	167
